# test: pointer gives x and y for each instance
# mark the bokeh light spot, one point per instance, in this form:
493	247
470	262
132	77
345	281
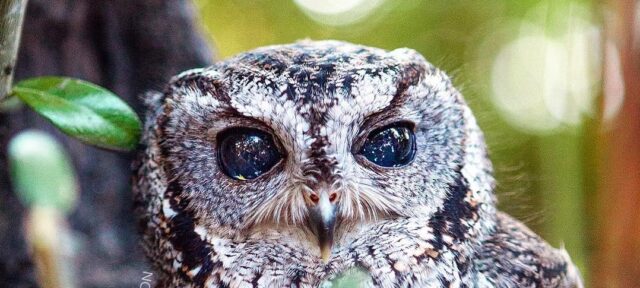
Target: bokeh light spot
338	12
541	82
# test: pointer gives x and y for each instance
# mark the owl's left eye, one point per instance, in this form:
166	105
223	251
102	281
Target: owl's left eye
390	146
246	153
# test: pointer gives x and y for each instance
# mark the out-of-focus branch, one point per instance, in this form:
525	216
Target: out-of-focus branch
11	15
618	240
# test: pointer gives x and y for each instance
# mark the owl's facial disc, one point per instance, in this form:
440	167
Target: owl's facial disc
322	220
275	126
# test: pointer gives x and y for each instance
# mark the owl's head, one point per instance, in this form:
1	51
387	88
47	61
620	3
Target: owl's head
317	136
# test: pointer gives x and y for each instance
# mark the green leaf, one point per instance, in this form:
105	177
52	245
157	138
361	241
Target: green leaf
352	278
41	172
82	110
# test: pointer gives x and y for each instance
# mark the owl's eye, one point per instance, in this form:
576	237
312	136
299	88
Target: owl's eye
246	153
390	146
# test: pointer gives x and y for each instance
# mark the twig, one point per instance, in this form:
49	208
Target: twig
11	16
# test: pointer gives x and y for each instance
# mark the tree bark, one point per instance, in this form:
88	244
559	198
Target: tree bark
129	47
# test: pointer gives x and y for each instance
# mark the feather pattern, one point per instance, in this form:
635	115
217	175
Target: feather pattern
430	223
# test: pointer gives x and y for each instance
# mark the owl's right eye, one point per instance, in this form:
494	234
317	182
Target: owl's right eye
246	153
390	146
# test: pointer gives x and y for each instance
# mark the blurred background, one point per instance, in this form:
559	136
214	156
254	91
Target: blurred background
548	81
554	85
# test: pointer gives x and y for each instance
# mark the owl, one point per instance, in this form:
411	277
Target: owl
291	165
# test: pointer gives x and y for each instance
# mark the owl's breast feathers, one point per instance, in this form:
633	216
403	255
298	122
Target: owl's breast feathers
514	256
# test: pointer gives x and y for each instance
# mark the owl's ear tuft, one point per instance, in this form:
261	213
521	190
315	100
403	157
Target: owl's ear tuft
413	60
409	55
204	81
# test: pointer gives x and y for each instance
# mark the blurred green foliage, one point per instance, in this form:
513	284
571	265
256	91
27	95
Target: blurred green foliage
543	176
36	155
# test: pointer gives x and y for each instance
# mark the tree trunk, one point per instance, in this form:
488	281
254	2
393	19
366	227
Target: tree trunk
129	47
617	261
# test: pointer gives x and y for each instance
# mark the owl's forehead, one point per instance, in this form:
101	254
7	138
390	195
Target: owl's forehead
315	80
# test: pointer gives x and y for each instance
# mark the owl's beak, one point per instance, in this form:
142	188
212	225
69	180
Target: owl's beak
322	218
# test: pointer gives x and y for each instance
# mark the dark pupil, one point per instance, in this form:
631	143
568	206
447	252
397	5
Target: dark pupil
390	147
247	153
